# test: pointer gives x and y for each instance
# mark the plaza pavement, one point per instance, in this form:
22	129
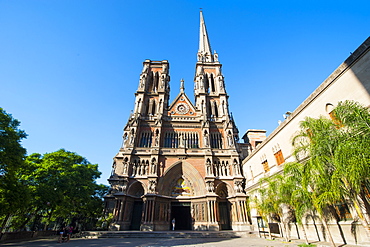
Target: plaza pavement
147	242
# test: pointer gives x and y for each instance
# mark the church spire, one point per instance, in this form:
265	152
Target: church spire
204	52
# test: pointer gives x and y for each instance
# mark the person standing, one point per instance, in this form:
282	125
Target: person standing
173	224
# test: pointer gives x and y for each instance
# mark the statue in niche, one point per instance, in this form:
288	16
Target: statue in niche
181	141
156	141
236	168
206	142
163	78
161	165
146	171
132	137
134	170
209	167
230	139
125	167
113	168
153	169
164	68
145	68
221	81
142	169
142	80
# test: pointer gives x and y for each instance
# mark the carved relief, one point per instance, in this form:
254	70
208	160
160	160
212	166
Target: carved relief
152	186
210	186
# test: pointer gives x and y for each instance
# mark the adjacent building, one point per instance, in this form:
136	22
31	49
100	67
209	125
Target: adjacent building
350	81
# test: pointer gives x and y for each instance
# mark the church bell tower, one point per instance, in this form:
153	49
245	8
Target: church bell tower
179	160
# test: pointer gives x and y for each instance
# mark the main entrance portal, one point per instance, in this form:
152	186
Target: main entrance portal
182	215
136	215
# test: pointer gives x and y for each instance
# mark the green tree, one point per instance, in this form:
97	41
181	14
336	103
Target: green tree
274	202
12	156
334	155
63	186
352	157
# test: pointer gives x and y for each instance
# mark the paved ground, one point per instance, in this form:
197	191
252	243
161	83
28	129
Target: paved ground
115	242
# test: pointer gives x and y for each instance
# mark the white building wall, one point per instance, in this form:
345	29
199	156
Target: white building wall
350	81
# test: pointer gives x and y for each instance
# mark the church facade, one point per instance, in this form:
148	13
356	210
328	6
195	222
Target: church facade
180	162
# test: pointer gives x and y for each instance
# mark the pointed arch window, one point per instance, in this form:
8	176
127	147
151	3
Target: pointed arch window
206	83
146	139
212	83
181	139
215	110
216	140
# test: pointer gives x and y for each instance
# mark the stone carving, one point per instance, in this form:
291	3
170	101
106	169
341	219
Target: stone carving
142	80
153	167
113	168
206	141
210	186
134	170
209	167
162	166
164	68
238	186
236	168
152	186
230	139
163	79
132	136
125	167
215	56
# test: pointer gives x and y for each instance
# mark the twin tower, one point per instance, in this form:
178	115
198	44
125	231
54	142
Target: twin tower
180	160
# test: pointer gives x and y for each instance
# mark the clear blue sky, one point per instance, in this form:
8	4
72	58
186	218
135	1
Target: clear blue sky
69	69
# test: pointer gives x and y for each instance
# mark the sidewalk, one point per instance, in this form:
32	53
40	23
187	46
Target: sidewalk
208	242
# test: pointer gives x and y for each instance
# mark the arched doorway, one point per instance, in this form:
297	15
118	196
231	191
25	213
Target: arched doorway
136	190
224	207
180	183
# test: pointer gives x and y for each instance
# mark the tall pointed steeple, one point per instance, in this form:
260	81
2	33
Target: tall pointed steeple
204	52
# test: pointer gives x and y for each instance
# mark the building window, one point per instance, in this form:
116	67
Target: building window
181	139
265	165
279	157
216	140
342	212
146	139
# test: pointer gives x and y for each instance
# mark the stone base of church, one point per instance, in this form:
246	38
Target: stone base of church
213	227
242	227
147	227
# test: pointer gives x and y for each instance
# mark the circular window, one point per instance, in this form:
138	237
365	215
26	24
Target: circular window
182	108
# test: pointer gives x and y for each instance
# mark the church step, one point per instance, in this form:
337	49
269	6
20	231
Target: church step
165	234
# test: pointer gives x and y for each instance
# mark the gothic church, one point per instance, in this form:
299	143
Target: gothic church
180	160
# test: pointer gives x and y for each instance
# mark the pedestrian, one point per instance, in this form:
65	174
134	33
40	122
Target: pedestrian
69	231
61	233
173	224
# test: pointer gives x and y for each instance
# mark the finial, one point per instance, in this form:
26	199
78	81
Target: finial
182	87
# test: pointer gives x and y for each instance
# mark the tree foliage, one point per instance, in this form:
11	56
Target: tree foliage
39	190
12	156
63	186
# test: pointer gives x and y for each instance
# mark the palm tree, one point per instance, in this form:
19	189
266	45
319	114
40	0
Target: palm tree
352	157
274	200
335	156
